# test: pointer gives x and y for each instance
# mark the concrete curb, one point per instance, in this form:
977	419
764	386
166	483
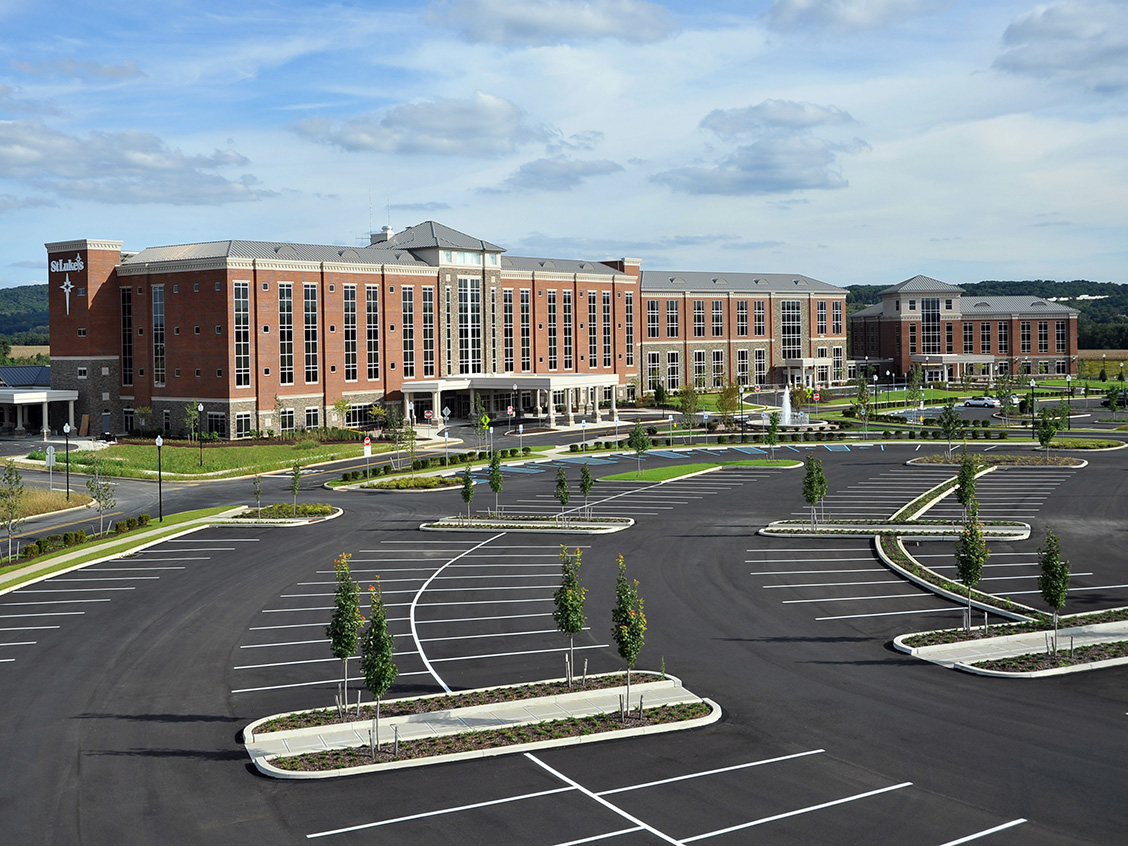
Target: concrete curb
285	522
264	766
503	525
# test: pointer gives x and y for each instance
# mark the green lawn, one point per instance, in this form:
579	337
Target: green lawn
180	460
662	474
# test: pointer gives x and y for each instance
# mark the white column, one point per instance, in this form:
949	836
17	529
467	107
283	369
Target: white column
595	399
551	410
614	408
570	406
70	413
46	426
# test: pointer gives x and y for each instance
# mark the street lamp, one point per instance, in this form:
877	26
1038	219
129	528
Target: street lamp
893	381
491	440
66	434
876	402
671	419
160	482
1033	433
583	435
1069	400
513	416
743	421
199	430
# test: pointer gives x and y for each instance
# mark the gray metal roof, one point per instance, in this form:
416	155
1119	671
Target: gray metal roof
869	311
557	265
971	306
665	281
922	285
429	235
274	251
25	375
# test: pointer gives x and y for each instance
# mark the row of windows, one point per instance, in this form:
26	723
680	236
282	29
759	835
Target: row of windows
709	369
931	333
716	323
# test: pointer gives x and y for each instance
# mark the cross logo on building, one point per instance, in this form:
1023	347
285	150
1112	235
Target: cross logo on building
67	287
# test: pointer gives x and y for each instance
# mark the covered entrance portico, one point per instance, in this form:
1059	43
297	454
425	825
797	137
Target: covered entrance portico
539	395
25	410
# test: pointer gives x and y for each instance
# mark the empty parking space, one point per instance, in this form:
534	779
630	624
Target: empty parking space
43	608
880	495
1013	493
796	797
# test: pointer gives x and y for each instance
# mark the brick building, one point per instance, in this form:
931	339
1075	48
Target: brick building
930	323
271	335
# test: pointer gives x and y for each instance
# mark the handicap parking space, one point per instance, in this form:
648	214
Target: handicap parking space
36	611
680	795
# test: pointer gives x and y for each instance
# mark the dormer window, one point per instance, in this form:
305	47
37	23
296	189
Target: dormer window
463	257
912	305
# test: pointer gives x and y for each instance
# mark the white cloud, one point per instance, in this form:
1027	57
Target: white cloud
538	22
10	101
847	14
483	126
556	174
10	203
79	69
784	114
770	165
118	167
1084	42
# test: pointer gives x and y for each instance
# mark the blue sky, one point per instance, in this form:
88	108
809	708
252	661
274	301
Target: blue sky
856	141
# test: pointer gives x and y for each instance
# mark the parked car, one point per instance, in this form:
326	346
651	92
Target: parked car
982	402
1122	402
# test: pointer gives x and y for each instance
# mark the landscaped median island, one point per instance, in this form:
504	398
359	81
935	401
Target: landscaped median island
569	523
471	724
676	471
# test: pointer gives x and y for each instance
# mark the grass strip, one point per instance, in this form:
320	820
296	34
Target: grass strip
934	638
100	547
662	474
427	747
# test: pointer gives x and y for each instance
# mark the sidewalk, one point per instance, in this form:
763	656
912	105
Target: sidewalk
963	655
500	715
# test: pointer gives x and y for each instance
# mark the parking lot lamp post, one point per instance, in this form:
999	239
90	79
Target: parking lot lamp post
513	416
66	434
743	422
446	446
671	419
1033	433
160	482
199	430
1069	400
876	401
491	440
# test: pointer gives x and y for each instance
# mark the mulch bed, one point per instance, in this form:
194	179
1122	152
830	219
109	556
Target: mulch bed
1114	615
1041	661
359	756
406	707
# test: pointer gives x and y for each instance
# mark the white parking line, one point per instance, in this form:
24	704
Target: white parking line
888	614
29	628
510	654
225	540
709	772
796	812
478	619
815	572
333	682
801	560
159	560
131	569
836	584
107	579
454	810
46	614
859	598
56	602
596	837
76	590
984	833
496	634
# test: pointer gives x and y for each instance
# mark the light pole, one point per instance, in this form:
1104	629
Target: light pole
1033	433
743	421
66	434
491	440
876	401
199	430
893	381
513	416
160	482
583	436
671	419
705	418
1069	400
446	446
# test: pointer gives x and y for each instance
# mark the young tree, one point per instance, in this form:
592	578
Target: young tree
689	401
192	419
343	630
377	415
11	496
467	490
569	599
377	653
295	483
256	488
342	406
406	440
1113	395
660	395
1046	427
479	421
914	391
771	435
950	423
495	479
971	553
862	400
586	484
101	488
279	407
143	412
728	403
814	485
1054	580
640	442
965	480
628	621
562	493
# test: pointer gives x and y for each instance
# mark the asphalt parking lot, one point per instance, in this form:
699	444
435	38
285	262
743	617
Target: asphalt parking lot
125	717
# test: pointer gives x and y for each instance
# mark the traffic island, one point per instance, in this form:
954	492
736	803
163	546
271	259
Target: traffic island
476	731
554	524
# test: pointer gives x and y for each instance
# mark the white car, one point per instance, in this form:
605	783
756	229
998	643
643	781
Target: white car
982	402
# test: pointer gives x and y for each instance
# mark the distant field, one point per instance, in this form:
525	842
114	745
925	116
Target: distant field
20	351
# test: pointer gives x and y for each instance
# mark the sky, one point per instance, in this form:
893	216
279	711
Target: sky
854	141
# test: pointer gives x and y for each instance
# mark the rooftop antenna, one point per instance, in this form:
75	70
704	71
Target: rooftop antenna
389	208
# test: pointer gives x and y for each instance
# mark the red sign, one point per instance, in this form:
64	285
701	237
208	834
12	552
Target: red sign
510	411
428	414
816	396
757	389
368	441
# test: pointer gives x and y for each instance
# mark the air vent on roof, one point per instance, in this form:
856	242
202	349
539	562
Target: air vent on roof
585	266
981	304
677	280
760	281
1039	304
802	283
350	254
286	250
720	280
548	265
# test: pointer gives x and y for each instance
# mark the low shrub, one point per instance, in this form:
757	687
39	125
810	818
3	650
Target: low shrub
526	450
30	550
144	520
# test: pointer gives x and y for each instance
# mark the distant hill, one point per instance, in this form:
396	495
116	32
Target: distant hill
23	314
1103	306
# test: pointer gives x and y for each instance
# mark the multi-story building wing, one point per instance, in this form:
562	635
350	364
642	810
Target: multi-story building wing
705	329
926	322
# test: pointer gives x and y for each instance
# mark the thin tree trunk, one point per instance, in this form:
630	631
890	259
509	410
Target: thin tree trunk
377	722
628	689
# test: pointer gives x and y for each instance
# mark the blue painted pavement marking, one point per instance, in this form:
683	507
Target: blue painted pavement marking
750	450
837	447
